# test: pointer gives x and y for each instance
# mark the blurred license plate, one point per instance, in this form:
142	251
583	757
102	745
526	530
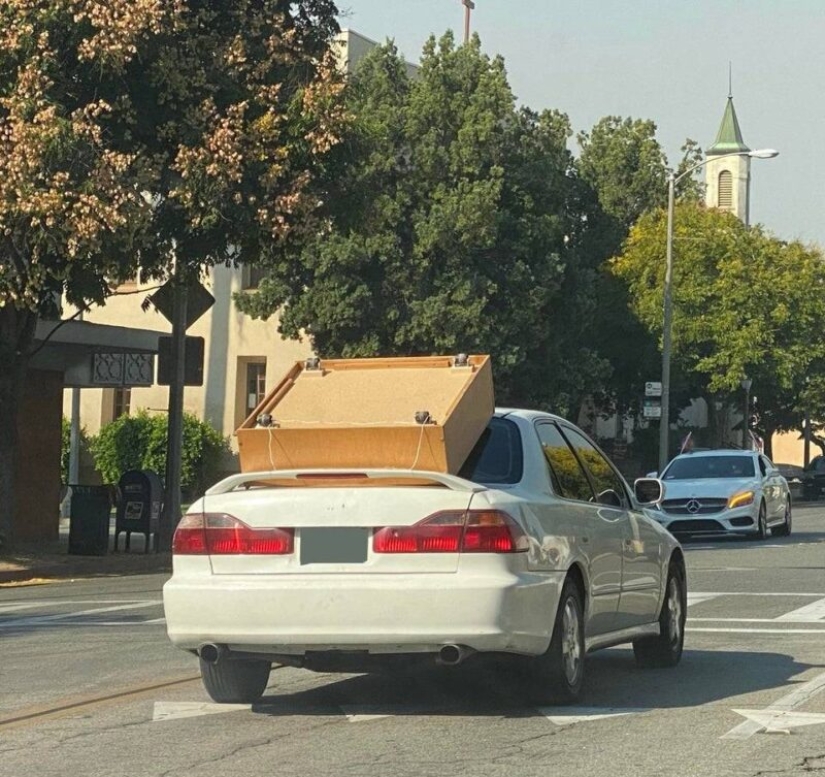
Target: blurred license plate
334	546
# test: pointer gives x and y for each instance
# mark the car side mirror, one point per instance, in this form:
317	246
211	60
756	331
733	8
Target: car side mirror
609	497
648	491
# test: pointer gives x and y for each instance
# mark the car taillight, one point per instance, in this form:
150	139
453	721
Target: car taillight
454	531
218	534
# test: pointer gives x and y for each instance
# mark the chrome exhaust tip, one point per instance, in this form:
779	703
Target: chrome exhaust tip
212	654
452	655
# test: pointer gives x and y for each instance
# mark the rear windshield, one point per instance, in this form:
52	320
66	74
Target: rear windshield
497	456
701	467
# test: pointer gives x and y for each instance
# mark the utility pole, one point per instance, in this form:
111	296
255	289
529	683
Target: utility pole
174	443
469	5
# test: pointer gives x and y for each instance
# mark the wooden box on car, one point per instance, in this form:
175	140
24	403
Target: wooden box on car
367	413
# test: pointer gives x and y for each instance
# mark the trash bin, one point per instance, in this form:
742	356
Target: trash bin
138	509
89	513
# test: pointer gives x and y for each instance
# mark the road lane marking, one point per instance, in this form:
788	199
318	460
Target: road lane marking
65	618
360	713
781	721
567	716
698	598
815	610
785	594
755	631
175	710
787	703
41	604
750	620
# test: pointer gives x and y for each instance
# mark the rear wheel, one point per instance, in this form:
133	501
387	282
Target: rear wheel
762	523
666	649
557	675
785	529
235	681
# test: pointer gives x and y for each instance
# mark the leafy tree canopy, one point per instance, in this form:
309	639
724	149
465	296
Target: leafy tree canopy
132	130
745	303
456	222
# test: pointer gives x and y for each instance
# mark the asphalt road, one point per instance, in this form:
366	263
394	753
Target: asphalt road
89	686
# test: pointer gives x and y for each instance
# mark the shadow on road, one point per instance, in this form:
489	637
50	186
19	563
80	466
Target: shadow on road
613	681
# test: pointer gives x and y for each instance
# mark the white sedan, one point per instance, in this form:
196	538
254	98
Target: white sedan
537	550
725	492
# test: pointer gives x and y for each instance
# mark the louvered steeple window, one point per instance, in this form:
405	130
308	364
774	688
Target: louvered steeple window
725	190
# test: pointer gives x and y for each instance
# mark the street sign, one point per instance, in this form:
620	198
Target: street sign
653	388
193	361
652	408
198	301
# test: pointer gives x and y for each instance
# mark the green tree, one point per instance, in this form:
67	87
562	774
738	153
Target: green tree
624	163
455	223
745	304
135	127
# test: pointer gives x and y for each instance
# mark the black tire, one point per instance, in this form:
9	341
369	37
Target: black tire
235	681
785	529
557	676
762	523
666	649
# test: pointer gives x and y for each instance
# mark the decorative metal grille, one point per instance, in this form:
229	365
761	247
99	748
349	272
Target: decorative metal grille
123	369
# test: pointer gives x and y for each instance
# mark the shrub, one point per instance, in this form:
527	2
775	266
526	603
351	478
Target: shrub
139	442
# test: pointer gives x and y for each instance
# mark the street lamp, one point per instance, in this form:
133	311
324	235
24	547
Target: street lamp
673	179
746	384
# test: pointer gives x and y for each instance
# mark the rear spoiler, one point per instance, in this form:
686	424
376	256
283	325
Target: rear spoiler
249	479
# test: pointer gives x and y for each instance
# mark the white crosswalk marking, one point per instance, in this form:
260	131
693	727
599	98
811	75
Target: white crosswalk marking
696	598
71	618
814	611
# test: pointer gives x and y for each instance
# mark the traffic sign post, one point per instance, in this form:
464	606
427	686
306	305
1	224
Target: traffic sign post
653	388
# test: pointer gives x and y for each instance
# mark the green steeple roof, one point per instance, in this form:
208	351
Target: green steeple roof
729	138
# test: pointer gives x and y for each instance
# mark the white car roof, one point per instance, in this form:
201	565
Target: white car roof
719	452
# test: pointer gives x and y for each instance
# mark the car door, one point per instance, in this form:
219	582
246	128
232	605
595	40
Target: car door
641	543
595	530
773	488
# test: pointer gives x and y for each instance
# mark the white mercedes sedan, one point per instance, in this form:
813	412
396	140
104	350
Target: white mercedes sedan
725	492
537	552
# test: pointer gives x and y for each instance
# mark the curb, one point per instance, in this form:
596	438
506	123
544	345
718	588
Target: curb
84	567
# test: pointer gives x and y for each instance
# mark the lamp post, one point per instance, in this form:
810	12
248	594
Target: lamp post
667	323
746	384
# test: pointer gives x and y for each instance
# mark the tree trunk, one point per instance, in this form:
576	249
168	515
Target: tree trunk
16	337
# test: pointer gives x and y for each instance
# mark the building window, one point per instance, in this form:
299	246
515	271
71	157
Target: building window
250	386
251	276
725	190
122	402
115	403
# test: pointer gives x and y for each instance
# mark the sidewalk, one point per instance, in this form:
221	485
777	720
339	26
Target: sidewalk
34	565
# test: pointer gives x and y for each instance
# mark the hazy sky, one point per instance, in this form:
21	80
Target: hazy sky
665	60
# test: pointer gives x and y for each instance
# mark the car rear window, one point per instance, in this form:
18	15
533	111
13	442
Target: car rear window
703	467
497	456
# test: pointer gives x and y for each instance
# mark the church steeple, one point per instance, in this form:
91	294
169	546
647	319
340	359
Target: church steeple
729	138
727	176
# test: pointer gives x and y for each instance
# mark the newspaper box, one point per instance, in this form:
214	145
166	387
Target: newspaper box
421	413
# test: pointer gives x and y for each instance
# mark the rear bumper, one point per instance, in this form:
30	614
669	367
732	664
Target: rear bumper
382	614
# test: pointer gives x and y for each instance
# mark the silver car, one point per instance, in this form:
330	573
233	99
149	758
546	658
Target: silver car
724	492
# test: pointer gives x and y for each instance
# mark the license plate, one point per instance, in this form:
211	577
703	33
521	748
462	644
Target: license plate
334	545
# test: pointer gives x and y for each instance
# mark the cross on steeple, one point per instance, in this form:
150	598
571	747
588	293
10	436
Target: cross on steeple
469	5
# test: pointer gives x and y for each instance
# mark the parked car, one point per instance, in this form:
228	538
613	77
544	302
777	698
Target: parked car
725	491
813	478
795	475
537	550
